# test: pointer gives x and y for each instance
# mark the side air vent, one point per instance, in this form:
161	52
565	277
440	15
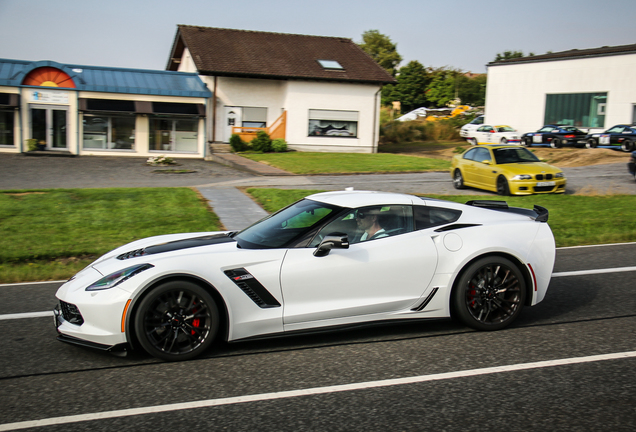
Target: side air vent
426	301
131	254
455	227
252	288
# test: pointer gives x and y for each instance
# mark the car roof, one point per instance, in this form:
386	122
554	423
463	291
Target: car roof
355	199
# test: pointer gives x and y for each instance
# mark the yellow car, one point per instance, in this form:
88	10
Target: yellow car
507	170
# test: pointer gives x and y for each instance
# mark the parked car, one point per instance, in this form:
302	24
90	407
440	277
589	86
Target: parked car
619	135
487	134
310	266
555	135
507	170
631	165
473	125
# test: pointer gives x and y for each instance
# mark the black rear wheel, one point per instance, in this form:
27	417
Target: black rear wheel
591	143
490	294
177	320
627	145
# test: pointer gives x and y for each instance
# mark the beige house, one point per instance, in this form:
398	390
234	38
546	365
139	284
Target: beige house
318	93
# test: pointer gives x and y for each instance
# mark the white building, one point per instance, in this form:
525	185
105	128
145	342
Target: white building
591	89
318	93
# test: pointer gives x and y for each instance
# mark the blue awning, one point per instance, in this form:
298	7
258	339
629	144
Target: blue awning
111	80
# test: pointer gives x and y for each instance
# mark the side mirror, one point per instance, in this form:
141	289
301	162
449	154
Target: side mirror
333	240
486	162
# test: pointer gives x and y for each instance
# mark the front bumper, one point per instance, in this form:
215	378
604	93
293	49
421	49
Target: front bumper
530	187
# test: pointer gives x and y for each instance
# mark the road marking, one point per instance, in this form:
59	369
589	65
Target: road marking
595	271
560	274
31	283
311	391
26	315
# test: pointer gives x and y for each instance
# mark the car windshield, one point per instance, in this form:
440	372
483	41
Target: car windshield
287	225
505	129
514	155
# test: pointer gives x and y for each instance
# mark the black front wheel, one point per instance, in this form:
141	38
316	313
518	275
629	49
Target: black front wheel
490	294
502	186
555	143
177	320
591	143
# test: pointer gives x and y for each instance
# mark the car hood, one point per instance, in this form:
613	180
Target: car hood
153	247
529	168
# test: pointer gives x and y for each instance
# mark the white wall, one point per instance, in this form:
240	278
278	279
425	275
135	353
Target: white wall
297	98
516	93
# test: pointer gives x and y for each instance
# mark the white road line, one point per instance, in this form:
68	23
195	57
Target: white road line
595	271
560	274
310	391
26	315
31	283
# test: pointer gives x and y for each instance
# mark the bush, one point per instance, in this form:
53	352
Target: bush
237	144
279	145
262	142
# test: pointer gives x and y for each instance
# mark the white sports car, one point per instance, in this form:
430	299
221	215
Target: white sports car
332	259
487	134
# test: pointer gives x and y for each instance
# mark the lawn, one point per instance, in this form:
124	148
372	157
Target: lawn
304	163
575	220
51	234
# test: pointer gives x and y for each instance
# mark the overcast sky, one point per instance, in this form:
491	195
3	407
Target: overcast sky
458	33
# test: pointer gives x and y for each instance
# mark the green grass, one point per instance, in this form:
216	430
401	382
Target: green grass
346	163
51	234
575	220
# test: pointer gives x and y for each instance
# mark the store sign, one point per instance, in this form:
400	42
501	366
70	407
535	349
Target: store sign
49	97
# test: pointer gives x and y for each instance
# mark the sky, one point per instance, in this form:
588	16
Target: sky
461	34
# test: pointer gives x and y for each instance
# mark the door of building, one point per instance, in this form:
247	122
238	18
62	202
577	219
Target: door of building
49	125
233	117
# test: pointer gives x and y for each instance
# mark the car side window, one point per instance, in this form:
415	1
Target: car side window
482	155
615	129
470	154
546	129
369	223
427	217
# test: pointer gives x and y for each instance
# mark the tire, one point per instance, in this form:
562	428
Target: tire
504	141
556	143
473	141
526	142
502	186
489	294
627	145
177	320
591	143
458	180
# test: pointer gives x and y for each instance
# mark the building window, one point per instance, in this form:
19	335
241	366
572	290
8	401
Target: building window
576	109
173	135
330	64
107	132
6	127
331	123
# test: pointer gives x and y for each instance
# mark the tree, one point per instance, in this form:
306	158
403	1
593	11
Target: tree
509	55
413	80
381	49
443	87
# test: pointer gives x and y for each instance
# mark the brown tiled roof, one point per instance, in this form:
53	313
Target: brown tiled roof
255	54
571	54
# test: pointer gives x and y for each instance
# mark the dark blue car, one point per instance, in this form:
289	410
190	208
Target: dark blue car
555	135
619	135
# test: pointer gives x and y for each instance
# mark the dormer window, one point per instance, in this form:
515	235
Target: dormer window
330	64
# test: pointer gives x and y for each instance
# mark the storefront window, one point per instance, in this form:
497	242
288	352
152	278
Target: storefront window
109	132
174	135
6	127
330	123
576	109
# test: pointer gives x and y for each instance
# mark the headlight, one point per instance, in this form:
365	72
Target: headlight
522	177
114	279
559	175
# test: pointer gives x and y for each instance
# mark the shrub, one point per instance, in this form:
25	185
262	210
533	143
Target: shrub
279	145
262	142
237	144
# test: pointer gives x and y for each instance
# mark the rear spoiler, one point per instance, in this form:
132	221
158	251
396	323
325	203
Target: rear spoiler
538	213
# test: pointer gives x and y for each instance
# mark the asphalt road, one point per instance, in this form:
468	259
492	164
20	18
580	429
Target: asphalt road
566	364
18	171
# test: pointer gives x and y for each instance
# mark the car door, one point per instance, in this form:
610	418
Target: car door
612	136
486	133
542	135
482	174
371	277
